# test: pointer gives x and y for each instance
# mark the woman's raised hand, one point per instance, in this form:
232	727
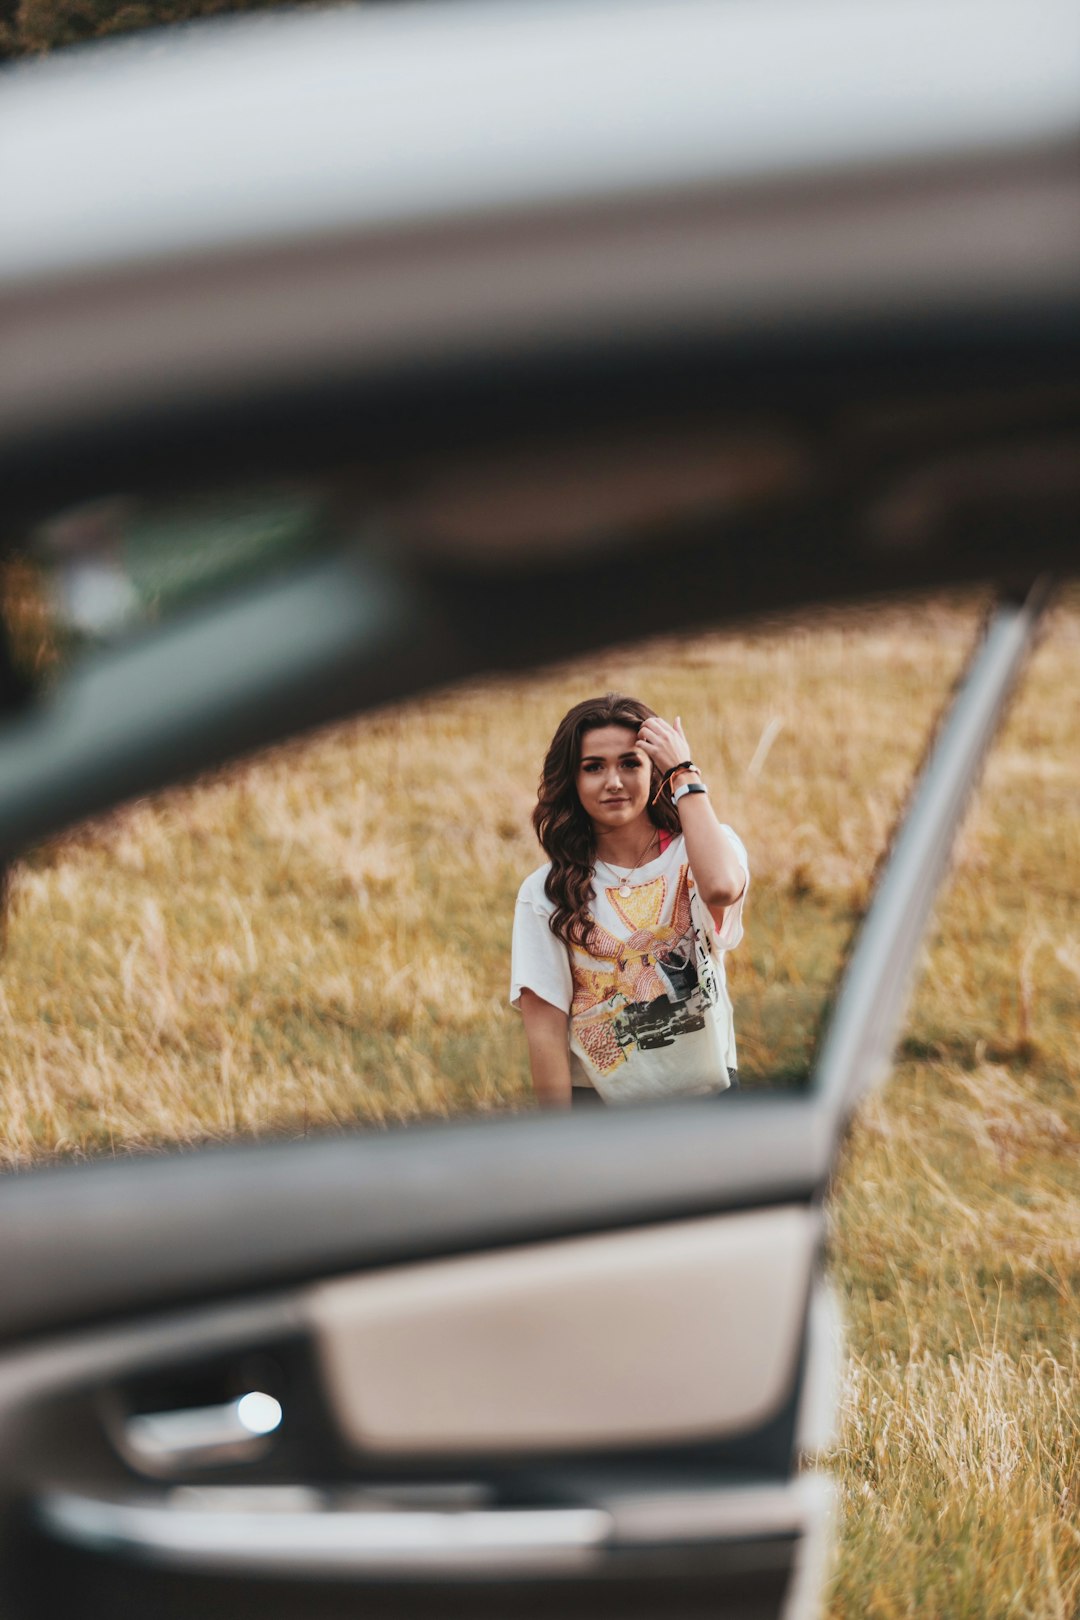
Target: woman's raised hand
663	743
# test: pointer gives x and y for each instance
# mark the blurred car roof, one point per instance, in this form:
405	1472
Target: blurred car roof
266	202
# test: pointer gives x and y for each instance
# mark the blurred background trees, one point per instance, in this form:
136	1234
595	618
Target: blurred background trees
32	27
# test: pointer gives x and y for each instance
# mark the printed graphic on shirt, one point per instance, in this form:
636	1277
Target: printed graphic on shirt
662	976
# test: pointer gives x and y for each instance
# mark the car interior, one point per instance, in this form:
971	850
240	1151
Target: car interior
396	418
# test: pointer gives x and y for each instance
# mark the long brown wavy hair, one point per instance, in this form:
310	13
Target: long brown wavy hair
562	825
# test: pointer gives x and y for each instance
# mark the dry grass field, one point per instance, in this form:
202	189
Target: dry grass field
956	1219
321	937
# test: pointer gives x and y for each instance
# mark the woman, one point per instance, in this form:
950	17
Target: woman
618	954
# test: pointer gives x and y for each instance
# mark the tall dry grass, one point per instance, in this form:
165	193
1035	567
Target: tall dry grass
322	936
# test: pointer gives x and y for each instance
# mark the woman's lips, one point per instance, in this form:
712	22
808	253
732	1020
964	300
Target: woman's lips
614	801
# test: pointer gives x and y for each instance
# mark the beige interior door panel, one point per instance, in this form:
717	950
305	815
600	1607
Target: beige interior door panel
670	1334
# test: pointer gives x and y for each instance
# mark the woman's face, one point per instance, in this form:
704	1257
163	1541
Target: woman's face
613	777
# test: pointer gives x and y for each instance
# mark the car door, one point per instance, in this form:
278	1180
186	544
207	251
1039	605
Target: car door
504	1365
527	1362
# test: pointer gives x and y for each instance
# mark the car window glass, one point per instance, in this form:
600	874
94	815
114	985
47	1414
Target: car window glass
320	937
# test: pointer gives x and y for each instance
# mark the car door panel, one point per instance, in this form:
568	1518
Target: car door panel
522	1364
750	1580
547	1348
670	1501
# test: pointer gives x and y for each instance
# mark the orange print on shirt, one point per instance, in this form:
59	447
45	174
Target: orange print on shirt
597	1039
644	906
626	968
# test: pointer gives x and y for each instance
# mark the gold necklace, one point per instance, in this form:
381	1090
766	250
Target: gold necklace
624	886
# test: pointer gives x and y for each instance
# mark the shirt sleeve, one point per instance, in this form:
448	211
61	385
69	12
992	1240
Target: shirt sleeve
538	961
730	932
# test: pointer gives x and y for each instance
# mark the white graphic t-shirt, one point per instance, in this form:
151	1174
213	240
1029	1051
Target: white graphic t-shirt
646	991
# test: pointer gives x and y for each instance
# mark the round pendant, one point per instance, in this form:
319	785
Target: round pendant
624	890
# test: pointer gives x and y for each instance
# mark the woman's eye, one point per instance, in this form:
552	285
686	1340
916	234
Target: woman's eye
632	764
591	769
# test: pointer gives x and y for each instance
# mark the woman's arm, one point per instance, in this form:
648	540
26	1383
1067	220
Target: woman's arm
546	1031
719	877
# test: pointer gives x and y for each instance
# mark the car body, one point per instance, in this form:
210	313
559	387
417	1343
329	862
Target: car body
399	250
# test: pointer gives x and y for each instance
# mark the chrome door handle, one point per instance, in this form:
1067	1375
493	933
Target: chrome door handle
159	1442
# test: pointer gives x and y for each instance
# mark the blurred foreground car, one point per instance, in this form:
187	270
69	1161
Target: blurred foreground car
501	311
